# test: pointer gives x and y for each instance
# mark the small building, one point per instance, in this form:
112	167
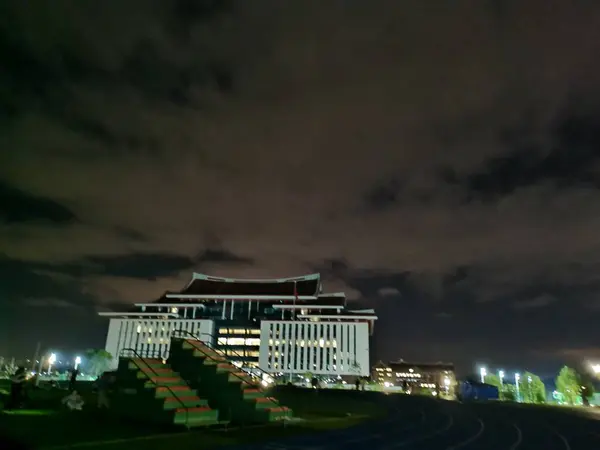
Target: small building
412	377
285	326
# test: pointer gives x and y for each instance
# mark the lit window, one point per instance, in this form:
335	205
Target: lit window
238	341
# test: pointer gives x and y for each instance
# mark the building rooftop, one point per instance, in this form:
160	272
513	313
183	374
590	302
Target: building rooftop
307	285
402	365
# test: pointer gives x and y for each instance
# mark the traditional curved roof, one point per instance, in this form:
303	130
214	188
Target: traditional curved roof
201	276
202	284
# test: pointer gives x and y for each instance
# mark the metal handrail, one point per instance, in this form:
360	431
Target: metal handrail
221	352
187	413
216	360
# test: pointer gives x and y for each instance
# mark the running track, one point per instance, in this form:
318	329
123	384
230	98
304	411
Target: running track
419	423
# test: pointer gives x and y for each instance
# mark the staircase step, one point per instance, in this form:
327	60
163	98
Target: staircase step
176	390
168	381
252	393
242	376
147	362
266	400
181	402
162	372
225	366
196	409
158	370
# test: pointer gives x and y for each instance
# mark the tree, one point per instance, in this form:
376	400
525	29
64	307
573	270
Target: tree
587	388
568	384
532	389
98	361
493	380
508	392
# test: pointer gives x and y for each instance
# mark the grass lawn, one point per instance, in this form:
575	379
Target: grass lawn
48	426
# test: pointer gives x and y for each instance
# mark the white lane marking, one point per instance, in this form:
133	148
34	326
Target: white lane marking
379	435
564	440
519	438
470	439
427	436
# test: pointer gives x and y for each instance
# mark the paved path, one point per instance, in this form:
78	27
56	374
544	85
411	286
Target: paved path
422	424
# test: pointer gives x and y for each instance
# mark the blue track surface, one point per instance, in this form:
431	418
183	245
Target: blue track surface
417	423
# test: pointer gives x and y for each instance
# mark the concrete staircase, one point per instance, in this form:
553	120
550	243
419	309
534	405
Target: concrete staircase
238	397
150	390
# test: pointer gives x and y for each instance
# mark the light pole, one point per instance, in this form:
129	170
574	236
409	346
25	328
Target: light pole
77	361
501	376
483	373
517	378
51	361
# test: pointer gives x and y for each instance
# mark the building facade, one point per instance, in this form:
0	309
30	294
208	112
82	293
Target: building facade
284	326
438	378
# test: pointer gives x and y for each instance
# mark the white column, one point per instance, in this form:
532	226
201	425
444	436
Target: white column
305	338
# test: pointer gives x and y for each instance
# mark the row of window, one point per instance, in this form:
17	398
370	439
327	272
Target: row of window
238	331
254	342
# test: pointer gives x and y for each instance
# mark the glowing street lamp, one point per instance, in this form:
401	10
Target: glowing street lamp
483	373
51	361
77	361
517	378
596	369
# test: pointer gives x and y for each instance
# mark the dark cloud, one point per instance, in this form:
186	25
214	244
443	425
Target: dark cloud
567	157
383	196
540	301
26	283
140	265
222	256
280	139
18	206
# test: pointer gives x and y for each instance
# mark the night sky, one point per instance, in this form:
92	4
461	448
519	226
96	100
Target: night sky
438	161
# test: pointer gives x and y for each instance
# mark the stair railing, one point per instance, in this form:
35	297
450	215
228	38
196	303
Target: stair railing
140	358
223	353
220	352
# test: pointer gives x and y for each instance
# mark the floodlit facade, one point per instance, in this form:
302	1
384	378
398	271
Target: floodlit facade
416	377
284	326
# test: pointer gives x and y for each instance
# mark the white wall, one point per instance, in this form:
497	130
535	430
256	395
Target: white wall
150	337
321	348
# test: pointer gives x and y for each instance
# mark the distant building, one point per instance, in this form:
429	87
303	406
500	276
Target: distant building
411	377
284	326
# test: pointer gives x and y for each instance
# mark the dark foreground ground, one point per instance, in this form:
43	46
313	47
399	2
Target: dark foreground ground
419	423
333	420
45	425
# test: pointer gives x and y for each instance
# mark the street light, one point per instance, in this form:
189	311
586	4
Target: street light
77	361
483	373
517	378
501	376
596	369
51	361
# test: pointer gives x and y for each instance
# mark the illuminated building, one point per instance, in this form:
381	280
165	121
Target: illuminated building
286	325
415	377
